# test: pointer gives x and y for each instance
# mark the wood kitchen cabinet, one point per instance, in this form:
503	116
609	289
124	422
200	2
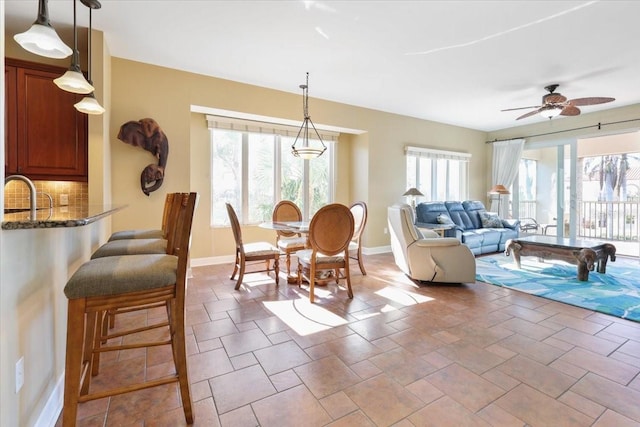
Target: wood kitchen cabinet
46	137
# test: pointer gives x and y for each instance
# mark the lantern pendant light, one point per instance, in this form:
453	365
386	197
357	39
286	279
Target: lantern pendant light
41	38
304	150
73	80
89	104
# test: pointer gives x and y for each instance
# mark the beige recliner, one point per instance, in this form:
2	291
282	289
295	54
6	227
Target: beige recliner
424	255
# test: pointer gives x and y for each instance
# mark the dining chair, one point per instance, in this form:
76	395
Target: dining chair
150	233
359	212
287	241
127	281
330	232
251	252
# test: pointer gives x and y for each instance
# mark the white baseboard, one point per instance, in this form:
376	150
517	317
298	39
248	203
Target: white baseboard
199	262
52	409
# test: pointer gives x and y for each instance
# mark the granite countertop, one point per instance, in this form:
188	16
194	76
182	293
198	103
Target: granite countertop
60	216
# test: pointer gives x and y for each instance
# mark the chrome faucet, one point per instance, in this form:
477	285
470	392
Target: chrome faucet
50	199
32	191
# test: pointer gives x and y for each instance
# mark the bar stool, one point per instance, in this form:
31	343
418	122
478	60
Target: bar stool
137	244
127	281
148	234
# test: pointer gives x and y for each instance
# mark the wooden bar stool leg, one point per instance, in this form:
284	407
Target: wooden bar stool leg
73	361
90	335
180	358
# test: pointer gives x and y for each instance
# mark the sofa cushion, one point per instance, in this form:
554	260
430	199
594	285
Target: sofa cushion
459	215
490	220
473	209
472	239
428	212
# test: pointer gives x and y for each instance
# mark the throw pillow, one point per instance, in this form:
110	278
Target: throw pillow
490	220
444	219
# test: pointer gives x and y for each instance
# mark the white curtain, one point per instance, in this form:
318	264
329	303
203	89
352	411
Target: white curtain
506	162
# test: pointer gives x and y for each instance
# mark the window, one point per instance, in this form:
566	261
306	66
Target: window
439	175
254	170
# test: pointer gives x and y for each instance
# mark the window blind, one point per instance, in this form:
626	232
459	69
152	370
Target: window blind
253	126
430	153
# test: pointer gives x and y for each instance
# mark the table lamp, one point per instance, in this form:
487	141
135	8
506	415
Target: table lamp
413	193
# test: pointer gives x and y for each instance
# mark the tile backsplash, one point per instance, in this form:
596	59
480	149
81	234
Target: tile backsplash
16	193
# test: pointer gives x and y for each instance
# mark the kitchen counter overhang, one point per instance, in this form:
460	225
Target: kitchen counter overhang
61	216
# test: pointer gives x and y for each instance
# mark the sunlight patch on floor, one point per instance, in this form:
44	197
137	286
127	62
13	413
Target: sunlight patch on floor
303	317
402	296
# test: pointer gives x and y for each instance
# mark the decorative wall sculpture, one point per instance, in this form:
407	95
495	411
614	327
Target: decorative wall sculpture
146	133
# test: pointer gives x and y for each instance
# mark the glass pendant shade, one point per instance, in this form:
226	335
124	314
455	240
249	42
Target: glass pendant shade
89	105
73	81
41	38
307	153
44	41
551	112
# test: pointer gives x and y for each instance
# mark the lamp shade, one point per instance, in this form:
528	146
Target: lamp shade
413	192
89	105
551	112
44	41
41	38
499	189
74	81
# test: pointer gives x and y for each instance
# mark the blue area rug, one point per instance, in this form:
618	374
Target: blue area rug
617	292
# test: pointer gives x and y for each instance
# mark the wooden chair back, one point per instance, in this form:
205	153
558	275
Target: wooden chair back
331	229
359	212
286	211
168	204
235	226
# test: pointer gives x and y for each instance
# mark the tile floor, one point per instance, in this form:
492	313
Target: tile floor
397	354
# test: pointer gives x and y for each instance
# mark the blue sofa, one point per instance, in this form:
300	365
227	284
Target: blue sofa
483	232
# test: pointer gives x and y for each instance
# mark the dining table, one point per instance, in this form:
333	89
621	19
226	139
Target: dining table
301	227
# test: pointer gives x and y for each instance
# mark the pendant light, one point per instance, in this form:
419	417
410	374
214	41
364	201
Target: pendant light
41	38
89	104
73	80
305	151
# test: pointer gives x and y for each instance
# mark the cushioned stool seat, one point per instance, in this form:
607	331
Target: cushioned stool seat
131	247
137	234
122	274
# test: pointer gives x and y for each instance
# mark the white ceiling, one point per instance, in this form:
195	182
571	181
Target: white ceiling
456	62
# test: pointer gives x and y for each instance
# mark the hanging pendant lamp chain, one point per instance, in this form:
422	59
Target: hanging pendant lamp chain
305	98
89	48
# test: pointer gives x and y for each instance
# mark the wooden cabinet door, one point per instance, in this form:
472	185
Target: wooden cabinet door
10	124
51	133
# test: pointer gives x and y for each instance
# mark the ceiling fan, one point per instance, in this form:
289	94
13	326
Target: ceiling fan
554	104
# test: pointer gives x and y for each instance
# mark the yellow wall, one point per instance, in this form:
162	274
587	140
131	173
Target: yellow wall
370	166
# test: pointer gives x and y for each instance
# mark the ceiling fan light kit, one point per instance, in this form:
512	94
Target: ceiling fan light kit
555	104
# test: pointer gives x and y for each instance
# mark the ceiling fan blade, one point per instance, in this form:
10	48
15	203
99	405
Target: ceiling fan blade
591	100
529	114
521	108
570	110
